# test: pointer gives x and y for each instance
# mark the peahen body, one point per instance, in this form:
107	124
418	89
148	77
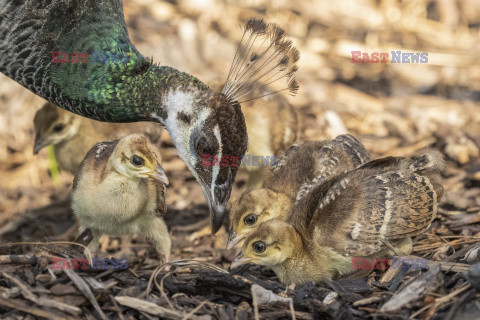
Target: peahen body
133	88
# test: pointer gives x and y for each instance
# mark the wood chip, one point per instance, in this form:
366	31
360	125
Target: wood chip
415	290
265	296
151	308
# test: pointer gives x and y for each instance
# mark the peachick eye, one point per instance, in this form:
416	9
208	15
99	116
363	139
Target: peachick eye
58	127
250	220
258	246
137	161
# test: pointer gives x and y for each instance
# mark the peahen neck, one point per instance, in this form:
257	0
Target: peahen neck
121	92
114	91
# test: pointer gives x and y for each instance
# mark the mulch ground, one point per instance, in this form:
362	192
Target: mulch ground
394	109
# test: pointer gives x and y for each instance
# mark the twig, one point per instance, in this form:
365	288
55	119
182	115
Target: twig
444	265
42	243
151	308
115	305
11	293
367	301
194	310
86	250
255	305
162	292
85	289
22	259
183	263
22	306
292	310
28	294
440	301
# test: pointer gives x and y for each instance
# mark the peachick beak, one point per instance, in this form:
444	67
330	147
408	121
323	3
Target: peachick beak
233	239
39	144
160	175
239	261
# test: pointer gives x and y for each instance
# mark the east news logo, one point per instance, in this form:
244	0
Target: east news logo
383	57
396	262
97	263
93	57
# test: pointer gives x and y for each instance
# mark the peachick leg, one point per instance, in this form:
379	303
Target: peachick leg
95	243
156	231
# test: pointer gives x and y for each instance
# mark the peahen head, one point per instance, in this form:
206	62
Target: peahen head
215	128
203	123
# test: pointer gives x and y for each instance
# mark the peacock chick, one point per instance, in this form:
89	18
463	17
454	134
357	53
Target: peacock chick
369	212
72	135
273	125
120	189
297	172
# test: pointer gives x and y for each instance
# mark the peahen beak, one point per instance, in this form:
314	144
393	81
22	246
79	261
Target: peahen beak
217	208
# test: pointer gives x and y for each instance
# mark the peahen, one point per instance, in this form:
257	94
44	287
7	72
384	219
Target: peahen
32	32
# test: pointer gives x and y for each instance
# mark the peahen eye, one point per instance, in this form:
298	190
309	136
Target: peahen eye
203	147
137	161
58	127
258	247
250	220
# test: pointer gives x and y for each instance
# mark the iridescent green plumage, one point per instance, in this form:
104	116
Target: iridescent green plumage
113	91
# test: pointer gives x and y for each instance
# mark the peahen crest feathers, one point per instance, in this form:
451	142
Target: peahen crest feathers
264	60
